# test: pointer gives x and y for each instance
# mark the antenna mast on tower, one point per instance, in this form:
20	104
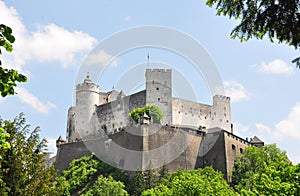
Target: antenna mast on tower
148	58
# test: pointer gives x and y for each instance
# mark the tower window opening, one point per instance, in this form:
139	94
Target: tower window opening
241	150
157	88
158	99
233	147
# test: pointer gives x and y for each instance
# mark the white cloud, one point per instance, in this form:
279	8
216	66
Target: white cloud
285	133
102	58
26	97
235	91
48	43
128	18
276	66
290	126
262	128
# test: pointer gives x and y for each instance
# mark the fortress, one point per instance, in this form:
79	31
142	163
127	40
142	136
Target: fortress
101	118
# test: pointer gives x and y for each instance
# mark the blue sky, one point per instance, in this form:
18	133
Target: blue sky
54	37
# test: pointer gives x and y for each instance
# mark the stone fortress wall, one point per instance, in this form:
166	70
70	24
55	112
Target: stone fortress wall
98	113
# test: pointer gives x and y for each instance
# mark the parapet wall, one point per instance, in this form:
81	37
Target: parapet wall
188	113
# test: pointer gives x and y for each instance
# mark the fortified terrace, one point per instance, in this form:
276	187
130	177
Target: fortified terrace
100	118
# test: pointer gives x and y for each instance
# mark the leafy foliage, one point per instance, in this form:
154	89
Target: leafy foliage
163	173
8	77
139	183
83	175
107	187
278	19
23	170
150	177
3	137
153	111
265	171
196	182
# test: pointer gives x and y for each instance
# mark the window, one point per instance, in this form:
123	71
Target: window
157	88
241	150
233	147
158	99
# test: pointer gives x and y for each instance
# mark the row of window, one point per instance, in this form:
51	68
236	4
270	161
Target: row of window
234	148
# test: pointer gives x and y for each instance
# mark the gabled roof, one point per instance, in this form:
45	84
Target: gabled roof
256	140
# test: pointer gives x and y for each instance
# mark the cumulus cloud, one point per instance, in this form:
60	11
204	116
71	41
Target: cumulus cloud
101	58
235	91
262	128
285	132
48	43
287	128
276	66
26	97
290	126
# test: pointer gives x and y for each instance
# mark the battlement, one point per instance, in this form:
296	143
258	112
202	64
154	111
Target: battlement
221	97
87	85
159	70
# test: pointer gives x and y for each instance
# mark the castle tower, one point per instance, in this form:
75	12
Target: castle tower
80	117
221	113
159	91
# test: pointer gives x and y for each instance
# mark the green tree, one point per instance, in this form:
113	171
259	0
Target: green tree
265	171
163	173
139	183
82	174
150	177
278	19
3	137
196	182
106	187
8	77
153	111
23	170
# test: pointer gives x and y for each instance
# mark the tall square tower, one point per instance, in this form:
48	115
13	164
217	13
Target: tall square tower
159	91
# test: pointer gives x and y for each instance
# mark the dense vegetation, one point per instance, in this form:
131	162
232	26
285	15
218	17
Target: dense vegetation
265	171
153	111
87	174
22	165
196	182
